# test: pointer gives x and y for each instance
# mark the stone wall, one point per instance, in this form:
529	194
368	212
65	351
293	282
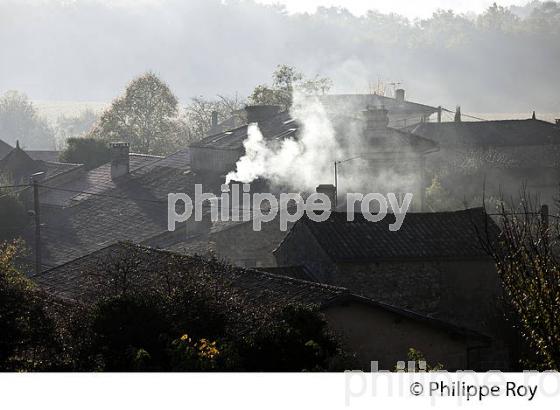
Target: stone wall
465	292
374	334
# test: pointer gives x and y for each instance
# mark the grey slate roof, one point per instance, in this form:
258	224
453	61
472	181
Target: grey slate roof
490	133
21	165
277	127
450	235
133	207
84	280
96	180
54	169
351	103
5	149
44	155
297	272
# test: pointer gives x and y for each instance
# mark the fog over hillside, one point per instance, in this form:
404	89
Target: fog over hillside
502	60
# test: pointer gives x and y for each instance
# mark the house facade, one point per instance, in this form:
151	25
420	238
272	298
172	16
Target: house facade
434	264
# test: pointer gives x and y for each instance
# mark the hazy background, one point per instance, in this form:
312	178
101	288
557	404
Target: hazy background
499	60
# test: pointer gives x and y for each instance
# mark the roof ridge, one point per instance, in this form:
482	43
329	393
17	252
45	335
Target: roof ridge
87	255
410	314
138	154
297	280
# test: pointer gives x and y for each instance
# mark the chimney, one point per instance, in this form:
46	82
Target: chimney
214	118
458	114
534	116
375	118
120	162
258	113
399	95
330	191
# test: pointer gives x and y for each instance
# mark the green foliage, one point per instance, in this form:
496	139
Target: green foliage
295	338
19	121
529	269
28	338
286	80
146	116
188	354
88	151
185	318
188	318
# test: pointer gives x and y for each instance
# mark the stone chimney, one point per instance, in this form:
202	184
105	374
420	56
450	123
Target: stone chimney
214	118
458	114
399	95
258	113
330	191
375	119
120	162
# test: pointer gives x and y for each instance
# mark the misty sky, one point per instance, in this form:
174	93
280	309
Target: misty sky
88	50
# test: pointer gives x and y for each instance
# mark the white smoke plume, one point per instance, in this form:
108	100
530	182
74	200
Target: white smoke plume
303	163
300	163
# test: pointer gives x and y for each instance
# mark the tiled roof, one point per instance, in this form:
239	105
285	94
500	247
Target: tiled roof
453	235
44	155
277	127
19	165
82	279
5	149
54	169
97	180
351	103
490	133
133	207
297	272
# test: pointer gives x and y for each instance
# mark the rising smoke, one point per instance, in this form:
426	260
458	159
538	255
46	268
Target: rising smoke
301	163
